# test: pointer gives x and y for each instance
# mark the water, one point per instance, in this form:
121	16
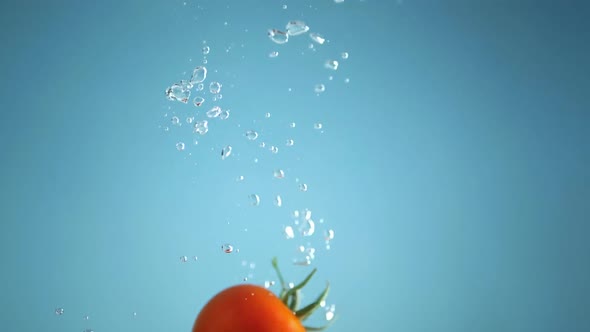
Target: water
443	158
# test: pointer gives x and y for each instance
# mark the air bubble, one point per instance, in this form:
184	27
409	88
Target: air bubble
206	50
254	199
296	27
179	91
59	311
279	174
278	201
289	233
180	146
319	88
317	126
331	64
290	142
199	74
214	112
198	101
226	152
227	248
183	259
274	149
214	87
344	55
201	127
278	36
316	37
175	120
273	54
251	135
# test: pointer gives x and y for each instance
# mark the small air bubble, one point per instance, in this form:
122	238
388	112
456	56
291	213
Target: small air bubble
251	135
215	87
289	233
227	248
198	101
180	146
226	152
254	199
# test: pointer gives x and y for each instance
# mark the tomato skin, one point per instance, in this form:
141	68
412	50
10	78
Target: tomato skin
246	308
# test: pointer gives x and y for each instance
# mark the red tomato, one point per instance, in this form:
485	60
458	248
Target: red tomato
250	308
246	308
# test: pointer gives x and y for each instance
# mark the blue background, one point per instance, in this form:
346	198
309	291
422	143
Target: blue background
453	167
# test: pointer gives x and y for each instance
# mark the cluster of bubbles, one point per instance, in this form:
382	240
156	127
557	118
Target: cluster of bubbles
302	230
297	28
181	92
304	226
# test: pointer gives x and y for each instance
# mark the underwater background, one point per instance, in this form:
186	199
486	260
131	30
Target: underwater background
429	158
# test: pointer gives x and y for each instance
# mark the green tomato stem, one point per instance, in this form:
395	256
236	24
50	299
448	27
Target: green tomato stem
290	297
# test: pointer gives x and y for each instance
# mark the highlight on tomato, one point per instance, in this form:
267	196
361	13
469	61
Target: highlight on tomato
252	308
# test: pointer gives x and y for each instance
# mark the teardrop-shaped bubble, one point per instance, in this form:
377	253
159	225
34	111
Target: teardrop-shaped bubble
226	152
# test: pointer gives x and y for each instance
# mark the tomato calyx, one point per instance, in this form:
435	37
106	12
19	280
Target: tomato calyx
290	296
